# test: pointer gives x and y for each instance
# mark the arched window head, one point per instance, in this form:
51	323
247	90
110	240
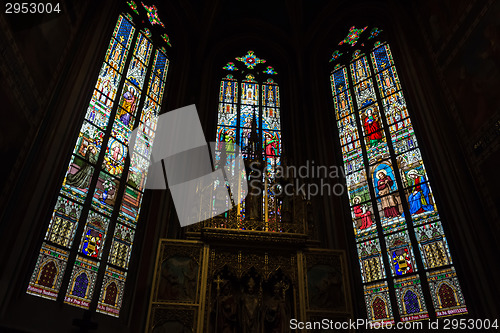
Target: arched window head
395	219
90	236
249	116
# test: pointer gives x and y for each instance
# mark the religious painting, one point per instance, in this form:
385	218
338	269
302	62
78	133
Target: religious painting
326	281
178	270
388	82
128	105
142	49
343	104
364	222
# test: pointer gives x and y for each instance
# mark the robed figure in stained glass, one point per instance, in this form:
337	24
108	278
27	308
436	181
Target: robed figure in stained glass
419	199
363	214
389	203
372	128
81	178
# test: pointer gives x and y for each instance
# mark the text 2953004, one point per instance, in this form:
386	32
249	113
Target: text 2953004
32	8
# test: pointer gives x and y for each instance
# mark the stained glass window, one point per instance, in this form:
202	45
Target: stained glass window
93	223
249	101
401	244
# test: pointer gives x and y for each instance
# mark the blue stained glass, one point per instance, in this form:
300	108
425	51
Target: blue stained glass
124	31
411	302
382	58
161	64
81	285
228	92
339	80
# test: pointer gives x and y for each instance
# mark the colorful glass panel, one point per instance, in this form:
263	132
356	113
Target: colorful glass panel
121	247
446	294
94	235
82	282
382	58
410	299
360	70
353	36
378	304
400	253
433	245
403	195
370	260
105	193
250	60
77	180
62	226
47	275
388	82
395	108
152	14
111	297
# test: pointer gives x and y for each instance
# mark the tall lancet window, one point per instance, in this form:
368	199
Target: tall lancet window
249	115
403	253
86	250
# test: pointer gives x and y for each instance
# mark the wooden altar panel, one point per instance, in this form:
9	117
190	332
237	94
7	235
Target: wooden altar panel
173	318
326	281
177	272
